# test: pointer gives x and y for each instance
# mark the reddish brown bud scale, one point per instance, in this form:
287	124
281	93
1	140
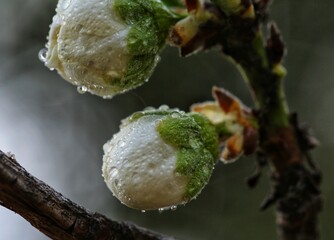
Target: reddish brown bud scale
192	5
251	137
275	45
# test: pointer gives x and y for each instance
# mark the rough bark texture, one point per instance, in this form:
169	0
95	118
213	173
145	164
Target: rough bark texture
53	214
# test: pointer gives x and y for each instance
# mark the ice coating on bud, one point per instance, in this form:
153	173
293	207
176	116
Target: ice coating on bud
160	158
108	46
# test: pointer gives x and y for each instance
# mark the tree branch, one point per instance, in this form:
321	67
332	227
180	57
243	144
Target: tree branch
53	214
295	185
237	26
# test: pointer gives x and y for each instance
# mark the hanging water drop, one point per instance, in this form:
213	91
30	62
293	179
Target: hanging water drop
143	211
82	89
42	55
161	210
157	59
11	155
173	208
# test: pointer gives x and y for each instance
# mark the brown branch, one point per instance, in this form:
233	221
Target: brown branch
283	142
295	185
53	214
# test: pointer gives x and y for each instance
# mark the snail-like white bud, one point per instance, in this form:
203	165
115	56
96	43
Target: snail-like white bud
160	158
107	47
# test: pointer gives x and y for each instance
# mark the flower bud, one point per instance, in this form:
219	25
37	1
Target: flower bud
160	158
107	46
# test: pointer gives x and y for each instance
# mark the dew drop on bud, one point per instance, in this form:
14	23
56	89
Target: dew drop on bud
175	115
161	210
157	59
143	211
65	4
42	55
163	108
149	109
122	144
11	155
113	172
82	89
173	208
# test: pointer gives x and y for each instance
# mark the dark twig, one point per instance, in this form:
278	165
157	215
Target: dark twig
261	162
56	216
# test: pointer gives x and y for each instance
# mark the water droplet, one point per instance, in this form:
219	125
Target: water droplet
113	74
161	210
158	121
143	211
173	208
65	4
157	59
175	115
163	108
113	172
194	143
42	55
82	89
147	109
106	96
11	155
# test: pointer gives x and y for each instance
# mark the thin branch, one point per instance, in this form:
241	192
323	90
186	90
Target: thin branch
56	216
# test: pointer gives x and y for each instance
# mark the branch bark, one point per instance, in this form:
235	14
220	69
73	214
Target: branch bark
56	216
286	145
238	29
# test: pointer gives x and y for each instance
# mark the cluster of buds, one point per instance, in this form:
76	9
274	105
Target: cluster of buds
160	157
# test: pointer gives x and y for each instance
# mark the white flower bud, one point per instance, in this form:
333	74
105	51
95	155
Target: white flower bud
160	158
107	46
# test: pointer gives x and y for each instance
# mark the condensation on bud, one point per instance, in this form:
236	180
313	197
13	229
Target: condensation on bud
160	158
108	46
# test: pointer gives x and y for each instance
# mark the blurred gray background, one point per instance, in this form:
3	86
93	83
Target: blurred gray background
57	134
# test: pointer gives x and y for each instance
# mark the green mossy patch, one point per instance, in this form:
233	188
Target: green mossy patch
150	18
150	21
197	143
